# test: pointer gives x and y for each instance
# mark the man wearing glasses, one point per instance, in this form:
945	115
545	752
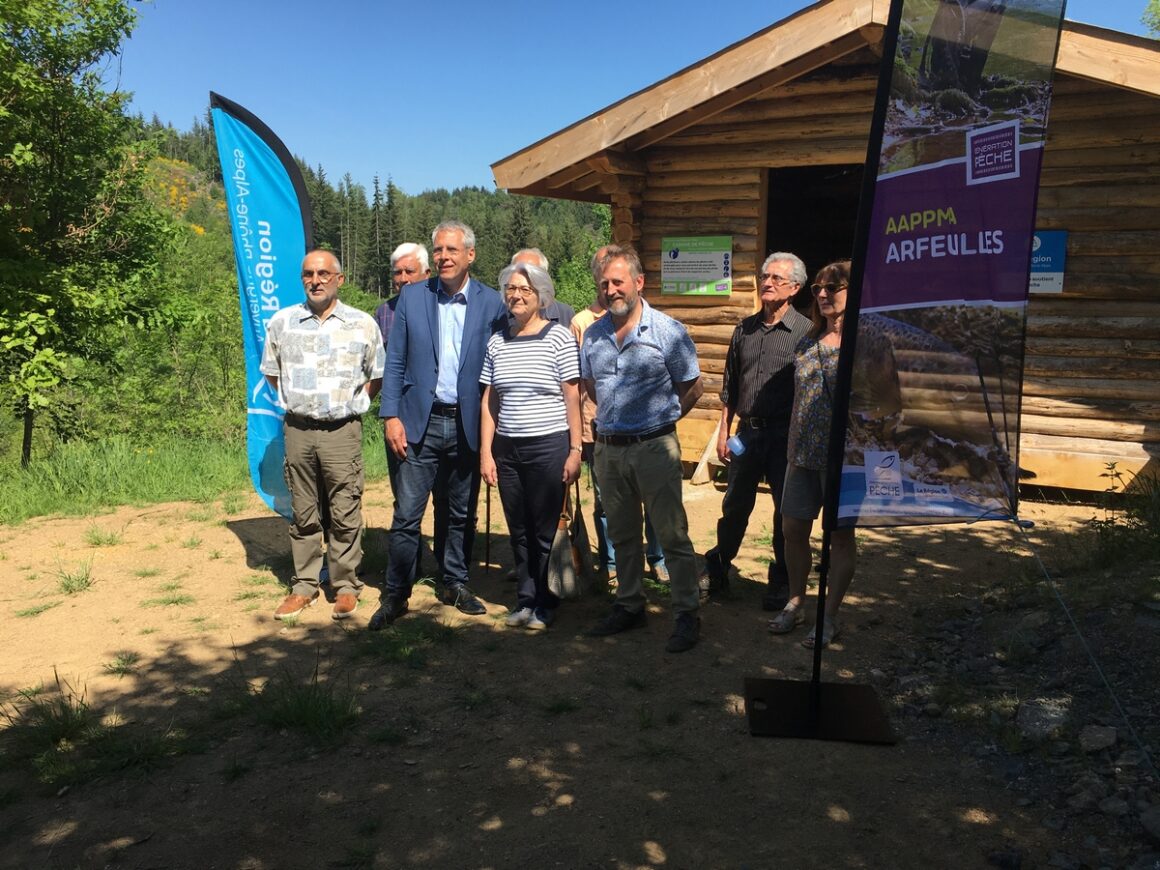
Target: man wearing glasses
431	411
757	389
324	359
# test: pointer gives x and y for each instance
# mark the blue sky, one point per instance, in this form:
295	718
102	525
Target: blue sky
433	98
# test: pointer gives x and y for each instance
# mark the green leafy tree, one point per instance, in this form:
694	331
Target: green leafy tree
78	241
1151	17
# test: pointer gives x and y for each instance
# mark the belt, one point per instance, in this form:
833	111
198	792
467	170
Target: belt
441	410
756	422
300	422
620	440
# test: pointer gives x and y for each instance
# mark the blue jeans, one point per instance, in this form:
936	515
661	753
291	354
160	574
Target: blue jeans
605	552
440	462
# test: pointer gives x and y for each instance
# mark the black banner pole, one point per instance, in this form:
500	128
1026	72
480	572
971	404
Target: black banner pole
836	711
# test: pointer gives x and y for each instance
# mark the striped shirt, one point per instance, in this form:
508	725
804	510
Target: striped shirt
526	372
758	378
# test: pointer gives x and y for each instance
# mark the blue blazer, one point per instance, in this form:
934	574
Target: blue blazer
413	357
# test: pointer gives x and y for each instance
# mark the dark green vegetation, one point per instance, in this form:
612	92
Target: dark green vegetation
119	322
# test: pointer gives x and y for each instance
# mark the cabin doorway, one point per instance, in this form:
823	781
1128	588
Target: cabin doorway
813	211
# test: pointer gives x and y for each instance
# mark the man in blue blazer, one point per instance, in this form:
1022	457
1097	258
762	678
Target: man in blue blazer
430	408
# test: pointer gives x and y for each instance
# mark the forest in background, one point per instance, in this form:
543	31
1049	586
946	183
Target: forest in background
118	291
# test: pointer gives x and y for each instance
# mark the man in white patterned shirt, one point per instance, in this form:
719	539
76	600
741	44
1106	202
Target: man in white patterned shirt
325	361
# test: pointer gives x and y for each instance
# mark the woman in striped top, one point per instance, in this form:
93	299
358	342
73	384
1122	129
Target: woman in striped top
530	432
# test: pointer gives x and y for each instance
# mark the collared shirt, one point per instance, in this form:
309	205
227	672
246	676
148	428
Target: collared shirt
323	366
758	379
636	384
452	316
580	323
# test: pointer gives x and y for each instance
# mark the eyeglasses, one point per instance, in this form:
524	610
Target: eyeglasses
519	290
778	280
817	289
325	276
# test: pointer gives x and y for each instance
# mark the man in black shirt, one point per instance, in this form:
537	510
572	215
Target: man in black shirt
758	390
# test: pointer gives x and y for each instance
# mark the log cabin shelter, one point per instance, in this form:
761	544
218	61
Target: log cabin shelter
765	141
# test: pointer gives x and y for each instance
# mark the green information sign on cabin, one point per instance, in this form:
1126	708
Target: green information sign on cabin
697	265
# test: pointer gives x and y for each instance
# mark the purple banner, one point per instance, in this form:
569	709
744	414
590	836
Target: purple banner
933	426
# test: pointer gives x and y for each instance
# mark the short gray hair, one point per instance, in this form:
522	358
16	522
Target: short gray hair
458	227
540	260
798	272
540	280
410	249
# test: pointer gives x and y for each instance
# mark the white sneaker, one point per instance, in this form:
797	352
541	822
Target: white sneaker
519	618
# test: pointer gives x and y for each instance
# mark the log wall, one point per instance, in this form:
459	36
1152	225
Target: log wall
1092	381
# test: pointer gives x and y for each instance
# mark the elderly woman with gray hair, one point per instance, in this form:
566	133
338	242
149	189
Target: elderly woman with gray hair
530	432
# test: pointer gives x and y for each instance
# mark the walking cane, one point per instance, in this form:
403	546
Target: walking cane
487	531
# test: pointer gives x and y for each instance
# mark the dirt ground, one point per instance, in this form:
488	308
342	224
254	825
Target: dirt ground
494	747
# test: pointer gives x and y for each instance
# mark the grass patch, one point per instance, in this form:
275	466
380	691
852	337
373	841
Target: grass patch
232	503
78	478
170	599
146	572
320	709
214	555
123	663
72	581
95	536
36	609
202	514
191	543
409	642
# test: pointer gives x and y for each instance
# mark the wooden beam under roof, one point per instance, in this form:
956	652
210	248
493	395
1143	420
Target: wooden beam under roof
1121	59
774	78
800	34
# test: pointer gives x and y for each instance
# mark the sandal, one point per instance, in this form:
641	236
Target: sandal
830	632
790	618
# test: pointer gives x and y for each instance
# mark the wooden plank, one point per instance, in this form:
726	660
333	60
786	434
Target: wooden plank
1104	103
1106	133
722	177
820	56
1062	154
1144	390
712	351
819	126
705	226
1069	367
1138	269
717	209
1083	176
840	99
1092	409
1103	55
1083	325
1098	218
1109	430
770	155
1108	350
1051	305
1107	286
1113	244
734	193
1101	196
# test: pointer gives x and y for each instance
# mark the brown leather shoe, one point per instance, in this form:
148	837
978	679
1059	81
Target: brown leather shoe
345	604
293	604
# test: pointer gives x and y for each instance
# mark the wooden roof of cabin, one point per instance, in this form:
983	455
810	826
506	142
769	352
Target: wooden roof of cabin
589	159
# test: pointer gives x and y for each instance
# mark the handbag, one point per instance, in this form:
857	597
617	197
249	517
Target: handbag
570	560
